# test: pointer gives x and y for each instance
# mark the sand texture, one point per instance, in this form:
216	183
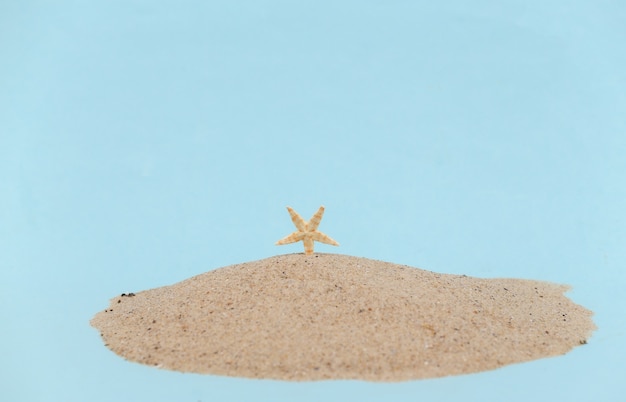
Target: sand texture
328	316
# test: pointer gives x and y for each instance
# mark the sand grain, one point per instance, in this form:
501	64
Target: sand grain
328	316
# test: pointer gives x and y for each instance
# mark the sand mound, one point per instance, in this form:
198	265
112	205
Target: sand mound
327	316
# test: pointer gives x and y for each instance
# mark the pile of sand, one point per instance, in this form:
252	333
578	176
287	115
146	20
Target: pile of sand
327	316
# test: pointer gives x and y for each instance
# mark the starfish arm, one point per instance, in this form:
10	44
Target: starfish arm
322	238
292	238
308	245
315	220
297	220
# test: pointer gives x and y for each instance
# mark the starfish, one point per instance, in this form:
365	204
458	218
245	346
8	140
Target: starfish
307	231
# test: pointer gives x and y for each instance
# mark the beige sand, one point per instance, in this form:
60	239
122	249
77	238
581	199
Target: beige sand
328	316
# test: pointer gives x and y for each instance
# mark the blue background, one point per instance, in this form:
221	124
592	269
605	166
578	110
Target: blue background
143	142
